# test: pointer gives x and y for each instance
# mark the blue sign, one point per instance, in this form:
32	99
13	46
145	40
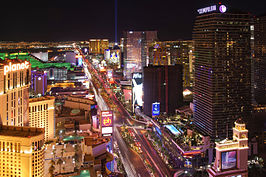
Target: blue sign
155	109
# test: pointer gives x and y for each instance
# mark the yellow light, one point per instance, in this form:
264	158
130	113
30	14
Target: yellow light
50	108
28	152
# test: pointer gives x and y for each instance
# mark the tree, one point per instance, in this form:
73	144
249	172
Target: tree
52	168
77	155
256	167
60	162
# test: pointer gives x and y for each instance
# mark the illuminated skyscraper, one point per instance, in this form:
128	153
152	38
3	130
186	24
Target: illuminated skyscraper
97	46
174	52
136	48
15	80
42	115
259	59
21	151
222	90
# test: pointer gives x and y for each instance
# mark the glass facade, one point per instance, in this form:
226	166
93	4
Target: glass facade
222	91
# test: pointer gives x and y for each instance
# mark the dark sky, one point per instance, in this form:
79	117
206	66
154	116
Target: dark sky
59	20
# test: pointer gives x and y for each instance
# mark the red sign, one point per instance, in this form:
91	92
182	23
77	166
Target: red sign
107	118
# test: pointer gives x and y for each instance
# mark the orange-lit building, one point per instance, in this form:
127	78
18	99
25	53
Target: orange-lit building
97	46
21	151
15	80
42	115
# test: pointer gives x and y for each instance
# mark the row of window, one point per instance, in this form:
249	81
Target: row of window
38	108
11	80
9	146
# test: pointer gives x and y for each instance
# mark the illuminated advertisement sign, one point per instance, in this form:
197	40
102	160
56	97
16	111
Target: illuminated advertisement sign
107	122
222	9
137	89
127	94
228	160
109	73
95	122
15	67
115	56
155	109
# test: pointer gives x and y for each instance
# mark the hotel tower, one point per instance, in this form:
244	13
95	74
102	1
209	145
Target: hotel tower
222	91
15	79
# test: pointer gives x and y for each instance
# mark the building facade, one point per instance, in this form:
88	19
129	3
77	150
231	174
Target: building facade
136	50
175	52
38	82
222	90
97	46
15	79
42	115
21	151
163	84
259	59
232	155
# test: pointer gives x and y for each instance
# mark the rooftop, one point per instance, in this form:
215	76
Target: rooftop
24	132
84	173
35	62
7	60
43	98
73	138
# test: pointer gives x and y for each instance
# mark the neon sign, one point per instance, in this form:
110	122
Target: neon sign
207	9
107	118
222	9
107	121
15	67
155	109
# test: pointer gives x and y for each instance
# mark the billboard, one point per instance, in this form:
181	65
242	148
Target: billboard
107	123
95	121
137	90
109	73
228	160
155	109
127	94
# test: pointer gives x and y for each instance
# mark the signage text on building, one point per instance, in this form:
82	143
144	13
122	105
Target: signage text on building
15	67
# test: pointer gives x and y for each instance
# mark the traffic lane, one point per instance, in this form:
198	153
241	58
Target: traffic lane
138	164
130	169
147	155
157	159
134	160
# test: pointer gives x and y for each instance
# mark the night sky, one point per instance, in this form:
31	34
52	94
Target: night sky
83	19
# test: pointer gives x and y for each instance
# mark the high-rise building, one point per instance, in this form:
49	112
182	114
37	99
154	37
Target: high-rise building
222	90
21	151
174	52
259	59
163	84
15	79
97	46
136	48
38	82
42	115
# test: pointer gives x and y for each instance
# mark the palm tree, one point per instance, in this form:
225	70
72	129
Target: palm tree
52	168
77	155
60	162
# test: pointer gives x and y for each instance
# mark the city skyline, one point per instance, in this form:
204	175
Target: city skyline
68	20
174	89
